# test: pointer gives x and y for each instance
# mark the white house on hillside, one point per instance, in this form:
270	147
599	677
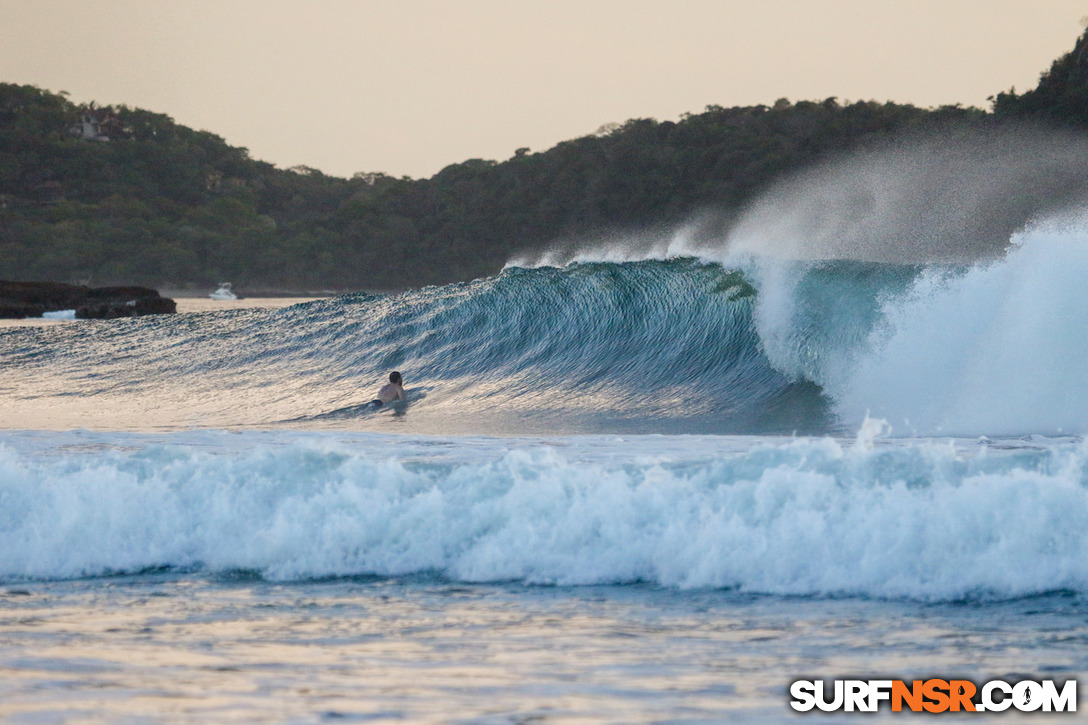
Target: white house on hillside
98	124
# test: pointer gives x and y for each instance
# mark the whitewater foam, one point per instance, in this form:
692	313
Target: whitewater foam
872	517
997	348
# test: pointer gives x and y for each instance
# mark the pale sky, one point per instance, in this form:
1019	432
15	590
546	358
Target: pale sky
407	87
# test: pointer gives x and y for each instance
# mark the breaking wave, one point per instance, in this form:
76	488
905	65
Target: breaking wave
867	517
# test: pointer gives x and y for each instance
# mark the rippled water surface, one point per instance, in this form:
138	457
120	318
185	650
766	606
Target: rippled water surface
172	648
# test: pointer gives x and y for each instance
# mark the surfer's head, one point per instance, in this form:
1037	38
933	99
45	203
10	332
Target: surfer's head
394	377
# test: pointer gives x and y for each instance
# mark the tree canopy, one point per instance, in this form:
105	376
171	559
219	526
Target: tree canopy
164	205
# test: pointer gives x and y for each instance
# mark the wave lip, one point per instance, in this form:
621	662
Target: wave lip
884	518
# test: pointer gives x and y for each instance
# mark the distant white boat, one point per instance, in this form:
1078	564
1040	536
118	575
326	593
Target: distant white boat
224	292
59	315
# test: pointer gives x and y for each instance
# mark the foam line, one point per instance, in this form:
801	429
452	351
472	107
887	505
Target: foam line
921	520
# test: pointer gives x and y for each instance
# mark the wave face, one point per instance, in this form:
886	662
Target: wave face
808	516
746	345
658	346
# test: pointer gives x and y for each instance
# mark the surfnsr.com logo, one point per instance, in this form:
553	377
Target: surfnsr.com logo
934	695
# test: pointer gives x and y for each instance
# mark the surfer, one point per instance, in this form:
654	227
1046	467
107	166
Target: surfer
393	390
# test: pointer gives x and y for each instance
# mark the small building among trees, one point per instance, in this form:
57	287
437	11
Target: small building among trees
99	124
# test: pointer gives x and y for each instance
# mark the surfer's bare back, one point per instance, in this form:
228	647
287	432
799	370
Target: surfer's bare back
393	390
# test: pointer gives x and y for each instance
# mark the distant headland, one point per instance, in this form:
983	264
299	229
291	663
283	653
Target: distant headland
20	300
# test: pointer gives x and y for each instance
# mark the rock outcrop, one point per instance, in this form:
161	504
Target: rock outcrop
33	299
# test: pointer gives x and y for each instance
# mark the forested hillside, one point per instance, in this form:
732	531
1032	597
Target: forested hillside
1061	98
127	196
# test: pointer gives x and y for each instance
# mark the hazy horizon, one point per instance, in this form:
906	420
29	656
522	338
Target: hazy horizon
409	89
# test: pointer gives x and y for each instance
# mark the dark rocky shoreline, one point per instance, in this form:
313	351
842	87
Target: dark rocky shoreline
19	300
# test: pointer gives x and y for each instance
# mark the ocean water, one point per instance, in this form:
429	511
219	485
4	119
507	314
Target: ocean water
652	486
